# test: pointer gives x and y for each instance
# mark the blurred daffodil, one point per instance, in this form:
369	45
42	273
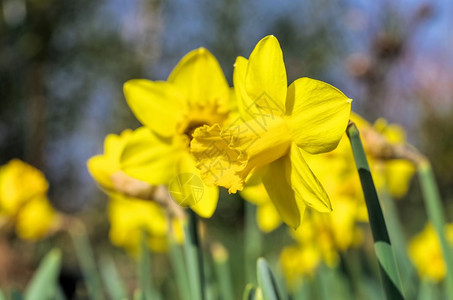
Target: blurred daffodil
24	202
426	254
394	174
277	124
129	215
103	166
19	183
195	94
298	264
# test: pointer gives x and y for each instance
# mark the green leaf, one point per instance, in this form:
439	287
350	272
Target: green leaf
249	292
112	281
266	281
43	285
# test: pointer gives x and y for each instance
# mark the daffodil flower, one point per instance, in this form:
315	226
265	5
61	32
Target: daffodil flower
277	124
195	94
128	215
426	254
23	199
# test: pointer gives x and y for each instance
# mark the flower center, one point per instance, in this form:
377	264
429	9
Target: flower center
227	156
199	116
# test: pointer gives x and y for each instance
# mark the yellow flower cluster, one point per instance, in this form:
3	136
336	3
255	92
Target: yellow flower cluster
270	141
326	234
198	134
23	201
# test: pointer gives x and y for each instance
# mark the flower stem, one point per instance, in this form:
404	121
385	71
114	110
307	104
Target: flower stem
252	241
194	257
177	261
144	270
387	265
436	216
87	261
221	263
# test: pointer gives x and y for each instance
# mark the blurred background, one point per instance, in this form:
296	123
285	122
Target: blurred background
63	64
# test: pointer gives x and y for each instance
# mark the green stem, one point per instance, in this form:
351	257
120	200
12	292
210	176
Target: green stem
435	213
144	270
194	257
252	243
387	265
87	262
180	269
222	268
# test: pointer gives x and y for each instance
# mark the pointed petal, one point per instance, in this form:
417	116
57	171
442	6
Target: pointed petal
156	104
305	183
278	186
187	188
245	104
150	158
318	114
265	81
200	79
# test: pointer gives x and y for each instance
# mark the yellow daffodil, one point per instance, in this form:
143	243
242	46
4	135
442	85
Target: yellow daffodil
19	183
426	254
395	174
36	219
298	263
103	166
128	215
277	124
23	200
195	94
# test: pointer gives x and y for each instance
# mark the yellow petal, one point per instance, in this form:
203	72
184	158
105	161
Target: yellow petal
305	183
101	168
114	144
278	186
129	216
245	104
187	188
150	158
265	81
156	104
318	114
200	79
255	194
267	217
19	182
36	219
398	173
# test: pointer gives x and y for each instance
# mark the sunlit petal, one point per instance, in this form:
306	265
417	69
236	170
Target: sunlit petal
305	183
200	79
158	105
318	114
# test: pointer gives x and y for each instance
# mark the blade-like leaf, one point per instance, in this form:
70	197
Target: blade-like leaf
44	283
